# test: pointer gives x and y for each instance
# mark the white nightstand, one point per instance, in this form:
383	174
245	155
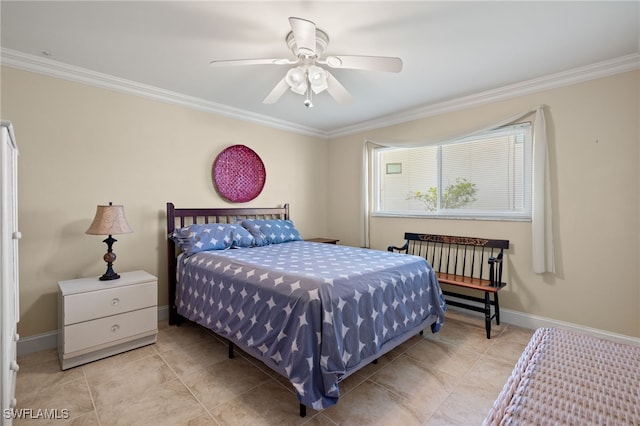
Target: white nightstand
102	318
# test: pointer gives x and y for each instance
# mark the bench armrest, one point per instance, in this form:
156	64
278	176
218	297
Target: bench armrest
404	248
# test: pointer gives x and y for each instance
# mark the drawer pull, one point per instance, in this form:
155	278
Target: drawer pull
17	235
115	328
16	337
14	366
115	301
13	403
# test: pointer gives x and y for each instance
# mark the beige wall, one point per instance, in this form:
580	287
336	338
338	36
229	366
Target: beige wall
593	144
81	146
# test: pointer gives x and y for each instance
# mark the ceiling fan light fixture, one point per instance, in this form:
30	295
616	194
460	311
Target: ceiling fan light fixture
317	79
297	80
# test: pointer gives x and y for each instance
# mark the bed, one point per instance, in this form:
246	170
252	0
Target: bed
313	312
571	379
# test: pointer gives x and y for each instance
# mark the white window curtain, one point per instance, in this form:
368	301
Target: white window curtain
541	223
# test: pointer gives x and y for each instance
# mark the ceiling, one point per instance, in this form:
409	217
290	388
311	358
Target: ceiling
450	49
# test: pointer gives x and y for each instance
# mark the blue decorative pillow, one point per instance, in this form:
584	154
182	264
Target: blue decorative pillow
212	236
271	231
241	237
259	238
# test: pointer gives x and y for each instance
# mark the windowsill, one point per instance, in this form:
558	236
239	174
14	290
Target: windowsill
498	218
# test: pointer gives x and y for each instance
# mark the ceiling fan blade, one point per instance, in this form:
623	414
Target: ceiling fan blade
235	62
276	92
371	63
304	32
337	90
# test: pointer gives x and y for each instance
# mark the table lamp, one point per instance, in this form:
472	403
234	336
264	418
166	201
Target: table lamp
109	220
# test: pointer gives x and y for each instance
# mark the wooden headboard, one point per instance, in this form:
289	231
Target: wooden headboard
178	218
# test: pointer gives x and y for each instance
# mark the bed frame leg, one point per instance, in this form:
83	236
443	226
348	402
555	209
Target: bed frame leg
303	410
174	317
231	346
178	320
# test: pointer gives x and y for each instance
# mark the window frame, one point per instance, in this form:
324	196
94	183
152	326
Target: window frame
523	214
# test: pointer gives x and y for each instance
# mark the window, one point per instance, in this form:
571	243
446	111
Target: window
482	176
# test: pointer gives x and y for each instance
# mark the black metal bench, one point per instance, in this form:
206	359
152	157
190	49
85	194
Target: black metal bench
466	262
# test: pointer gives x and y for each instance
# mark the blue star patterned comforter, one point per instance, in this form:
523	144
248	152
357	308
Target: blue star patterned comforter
313	312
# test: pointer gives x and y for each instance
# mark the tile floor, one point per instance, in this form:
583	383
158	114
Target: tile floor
451	378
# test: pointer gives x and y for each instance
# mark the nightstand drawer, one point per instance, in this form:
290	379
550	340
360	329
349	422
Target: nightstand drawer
104	330
101	303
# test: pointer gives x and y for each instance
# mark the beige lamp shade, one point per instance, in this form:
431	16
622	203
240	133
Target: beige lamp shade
109	220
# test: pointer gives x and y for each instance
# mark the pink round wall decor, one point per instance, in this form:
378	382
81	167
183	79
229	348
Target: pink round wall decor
238	174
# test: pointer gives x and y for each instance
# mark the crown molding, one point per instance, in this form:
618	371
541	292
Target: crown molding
26	62
57	69
565	78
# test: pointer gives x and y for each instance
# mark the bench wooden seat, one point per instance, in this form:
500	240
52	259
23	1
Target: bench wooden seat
464	262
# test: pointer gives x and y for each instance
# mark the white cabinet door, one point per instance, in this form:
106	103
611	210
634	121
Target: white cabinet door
9	293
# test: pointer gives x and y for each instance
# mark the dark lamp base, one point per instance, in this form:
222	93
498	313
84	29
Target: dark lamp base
109	276
109	257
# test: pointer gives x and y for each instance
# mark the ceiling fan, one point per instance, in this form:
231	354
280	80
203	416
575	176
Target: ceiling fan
308	43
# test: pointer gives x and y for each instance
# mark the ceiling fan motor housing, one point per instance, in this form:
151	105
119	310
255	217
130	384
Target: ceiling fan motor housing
322	40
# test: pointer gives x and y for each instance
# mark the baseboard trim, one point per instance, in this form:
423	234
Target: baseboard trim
49	340
37	342
530	321
534	321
